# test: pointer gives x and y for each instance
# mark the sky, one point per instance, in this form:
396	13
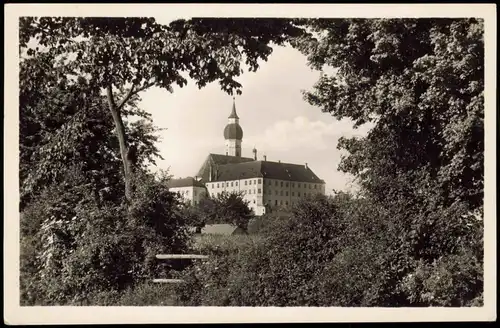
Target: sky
273	115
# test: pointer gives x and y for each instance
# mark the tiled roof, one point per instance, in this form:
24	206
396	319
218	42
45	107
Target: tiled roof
226	159
266	169
217	160
184	182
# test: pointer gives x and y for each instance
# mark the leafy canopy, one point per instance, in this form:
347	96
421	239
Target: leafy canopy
421	83
143	53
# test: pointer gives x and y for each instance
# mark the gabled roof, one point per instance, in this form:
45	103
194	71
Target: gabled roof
226	159
266	169
184	182
216	160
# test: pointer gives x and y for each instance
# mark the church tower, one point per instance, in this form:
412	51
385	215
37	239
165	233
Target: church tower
233	134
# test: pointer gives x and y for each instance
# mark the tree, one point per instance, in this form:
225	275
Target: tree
124	56
226	207
420	84
232	208
68	125
74	239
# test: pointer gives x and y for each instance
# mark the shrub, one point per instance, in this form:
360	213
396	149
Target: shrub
277	269
260	223
84	247
341	251
207	281
229	208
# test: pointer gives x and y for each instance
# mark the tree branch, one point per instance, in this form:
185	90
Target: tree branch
133	91
146	86
129	94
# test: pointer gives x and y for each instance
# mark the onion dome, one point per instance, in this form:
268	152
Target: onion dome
233	131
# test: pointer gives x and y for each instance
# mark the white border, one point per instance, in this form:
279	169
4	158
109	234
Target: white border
14	314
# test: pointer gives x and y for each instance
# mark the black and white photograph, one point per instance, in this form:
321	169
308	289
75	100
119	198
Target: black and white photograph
198	159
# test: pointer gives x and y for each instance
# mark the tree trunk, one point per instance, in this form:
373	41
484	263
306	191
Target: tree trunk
123	143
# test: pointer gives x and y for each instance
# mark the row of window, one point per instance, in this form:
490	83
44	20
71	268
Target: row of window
235	183
277	193
259	181
285	193
299	185
280	202
252	191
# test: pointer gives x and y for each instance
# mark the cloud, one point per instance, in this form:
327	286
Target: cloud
302	133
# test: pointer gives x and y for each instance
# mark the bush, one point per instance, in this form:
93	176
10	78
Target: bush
341	251
278	269
229	208
83	247
207	281
260	223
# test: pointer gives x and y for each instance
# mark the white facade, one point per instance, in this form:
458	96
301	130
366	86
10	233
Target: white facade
260	192
192	194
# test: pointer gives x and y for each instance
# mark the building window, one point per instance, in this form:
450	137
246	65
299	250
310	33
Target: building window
286	184
276	183
281	183
259	181
315	186
258	191
217	185
298	185
276	192
298	193
245	182
286	193
236	183
281	193
293	193
231	183
276	202
286	203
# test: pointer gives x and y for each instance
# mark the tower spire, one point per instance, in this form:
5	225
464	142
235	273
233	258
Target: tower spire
233	111
233	134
